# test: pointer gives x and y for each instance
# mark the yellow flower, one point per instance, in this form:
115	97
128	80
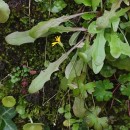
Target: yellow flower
57	41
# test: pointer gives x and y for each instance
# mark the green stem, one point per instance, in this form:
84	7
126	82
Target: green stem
30	119
93	101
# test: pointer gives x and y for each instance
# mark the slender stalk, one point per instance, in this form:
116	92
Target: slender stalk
29	5
93	101
49	99
123	35
30	119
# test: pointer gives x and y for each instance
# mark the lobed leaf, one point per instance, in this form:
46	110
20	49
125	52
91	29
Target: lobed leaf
42	29
125	90
101	90
44	76
92	119
124	78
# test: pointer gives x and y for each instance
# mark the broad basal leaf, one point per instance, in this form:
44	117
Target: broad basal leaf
78	107
102	92
4	11
98	52
18	38
44	76
43	27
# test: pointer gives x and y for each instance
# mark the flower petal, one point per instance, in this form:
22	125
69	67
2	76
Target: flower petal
54	43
